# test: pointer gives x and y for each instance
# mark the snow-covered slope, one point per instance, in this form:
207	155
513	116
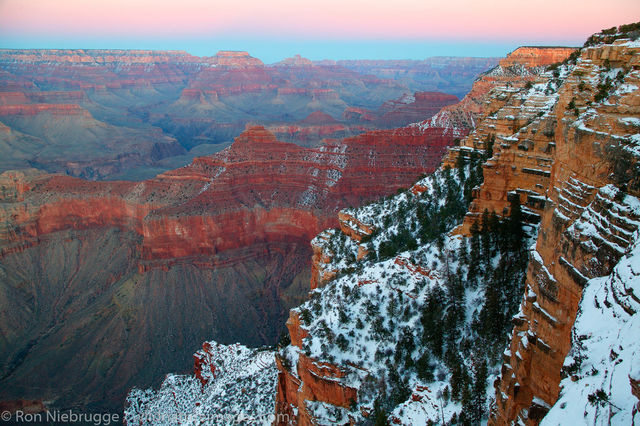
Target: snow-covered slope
412	325
236	384
605	357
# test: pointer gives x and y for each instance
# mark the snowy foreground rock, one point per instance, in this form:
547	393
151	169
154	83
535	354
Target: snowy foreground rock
605	362
233	384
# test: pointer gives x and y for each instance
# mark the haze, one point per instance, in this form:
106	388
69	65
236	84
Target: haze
334	29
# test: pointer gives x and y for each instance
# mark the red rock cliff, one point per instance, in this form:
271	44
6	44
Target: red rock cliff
589	142
523	150
258	190
536	56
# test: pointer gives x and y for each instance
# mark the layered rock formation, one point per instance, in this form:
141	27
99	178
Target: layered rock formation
227	235
392	114
452	75
235	59
307	392
564	144
195	100
584	229
479	103
315	127
536	56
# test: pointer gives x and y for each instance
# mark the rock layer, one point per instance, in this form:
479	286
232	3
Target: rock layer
301	385
589	139
218	247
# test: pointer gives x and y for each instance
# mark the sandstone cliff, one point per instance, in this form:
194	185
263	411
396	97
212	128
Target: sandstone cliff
584	230
563	147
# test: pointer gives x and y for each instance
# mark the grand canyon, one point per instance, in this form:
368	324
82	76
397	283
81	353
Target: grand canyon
216	248
215	240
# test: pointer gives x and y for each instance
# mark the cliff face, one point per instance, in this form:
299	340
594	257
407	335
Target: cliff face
247	190
491	91
518	125
227	235
584	229
535	56
563	143
310	395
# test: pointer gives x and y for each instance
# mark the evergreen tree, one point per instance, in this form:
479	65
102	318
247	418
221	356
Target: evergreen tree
474	253
463	254
514	225
460	166
379	413
485	238
479	390
432	319
491	138
424	367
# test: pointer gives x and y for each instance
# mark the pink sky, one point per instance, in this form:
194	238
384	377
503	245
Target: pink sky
327	18
550	21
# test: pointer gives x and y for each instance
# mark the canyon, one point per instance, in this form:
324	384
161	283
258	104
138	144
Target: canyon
120	114
440	74
561	144
509	219
306	392
218	248
365	321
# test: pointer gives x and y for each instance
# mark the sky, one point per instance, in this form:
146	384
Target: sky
317	29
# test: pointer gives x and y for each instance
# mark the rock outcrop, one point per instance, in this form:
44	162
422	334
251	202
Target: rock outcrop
583	233
536	56
235	59
563	143
304	397
295	61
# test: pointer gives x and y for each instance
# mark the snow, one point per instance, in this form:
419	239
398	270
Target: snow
632	121
608	350
631	43
242	390
364	290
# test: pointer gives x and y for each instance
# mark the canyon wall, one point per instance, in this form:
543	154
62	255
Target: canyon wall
496	103
584	228
115	114
148	270
563	144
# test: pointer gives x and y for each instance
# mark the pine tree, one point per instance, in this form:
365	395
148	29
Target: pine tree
485	238
460	166
474	253
514	225
424	367
432	318
479	390
463	253
379	414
